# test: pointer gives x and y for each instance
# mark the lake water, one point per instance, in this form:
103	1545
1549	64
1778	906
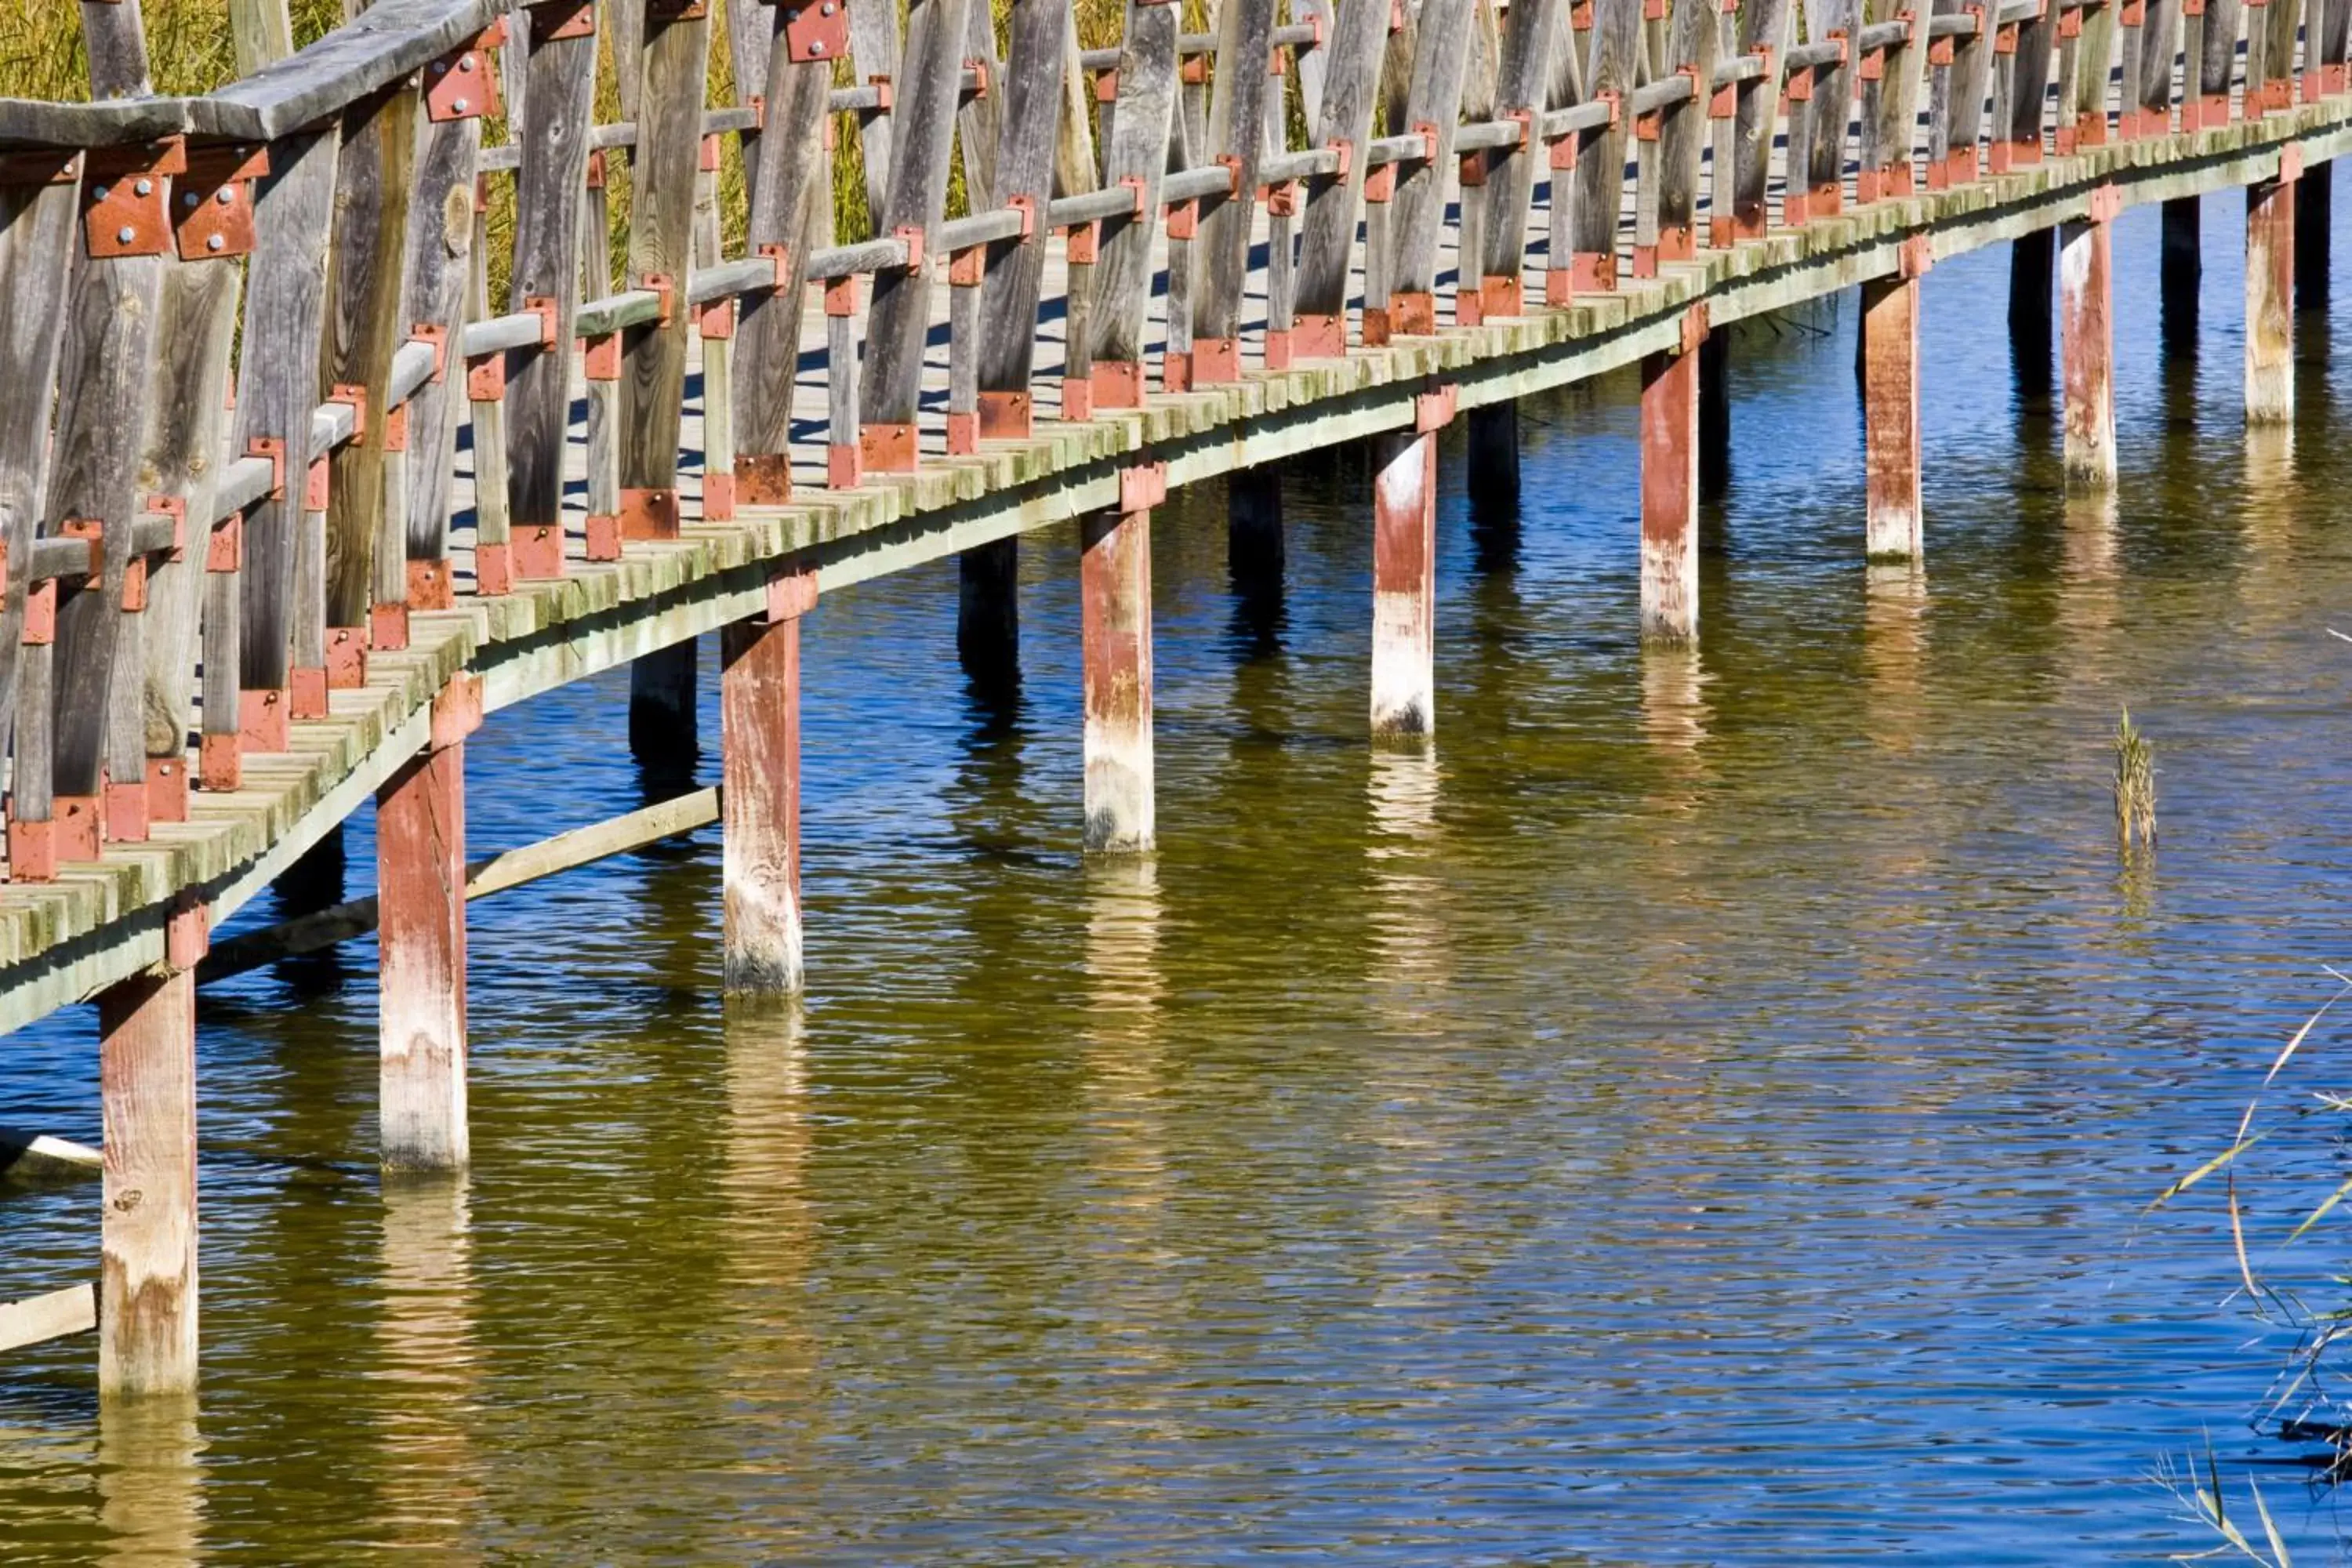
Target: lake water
1700	1111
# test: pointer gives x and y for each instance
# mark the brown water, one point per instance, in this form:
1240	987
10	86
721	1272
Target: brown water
1702	1111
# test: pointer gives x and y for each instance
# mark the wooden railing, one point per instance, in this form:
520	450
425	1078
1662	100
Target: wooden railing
181	560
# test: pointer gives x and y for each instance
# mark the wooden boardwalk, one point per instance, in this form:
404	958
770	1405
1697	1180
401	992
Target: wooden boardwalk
496	509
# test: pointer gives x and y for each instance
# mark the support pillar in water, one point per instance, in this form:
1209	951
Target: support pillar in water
2315	198
420	819
988	618
1492	471
1404	571
2086	302
1115	616
759	742
2183	266
2270	295
1890	408
1714	415
661	714
2028	306
147	1077
1254	547
1670	488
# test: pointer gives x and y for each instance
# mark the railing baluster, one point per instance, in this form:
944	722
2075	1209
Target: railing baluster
1237	107
1326	245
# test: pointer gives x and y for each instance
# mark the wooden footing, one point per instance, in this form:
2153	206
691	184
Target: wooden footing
1253	545
2086	308
1670	497
147	1074
2314	199
421	905
662	730
1890	417
760	739
1115	601
1404	583
988	617
2181	268
1492	465
2270	302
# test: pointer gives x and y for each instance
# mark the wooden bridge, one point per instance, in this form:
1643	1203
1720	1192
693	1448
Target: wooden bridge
288	503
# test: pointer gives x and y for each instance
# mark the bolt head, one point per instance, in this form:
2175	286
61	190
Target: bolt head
213	242
460	105
144	188
189	201
125	234
223	196
98	193
817	48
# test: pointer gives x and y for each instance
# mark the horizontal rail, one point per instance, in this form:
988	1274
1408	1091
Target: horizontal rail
39	1318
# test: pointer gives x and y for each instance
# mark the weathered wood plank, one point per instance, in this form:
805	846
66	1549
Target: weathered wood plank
785	187
874	52
1522	84
1120	305
30	1322
38	225
1024	172
440	261
1439	60
1327	244
661	237
899	312
1238	105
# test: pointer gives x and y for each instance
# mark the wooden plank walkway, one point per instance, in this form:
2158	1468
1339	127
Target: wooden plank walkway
62	942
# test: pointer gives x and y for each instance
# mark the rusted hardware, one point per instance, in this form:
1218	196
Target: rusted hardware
211	216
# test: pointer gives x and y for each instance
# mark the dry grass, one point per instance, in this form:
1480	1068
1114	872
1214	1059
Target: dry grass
2135	786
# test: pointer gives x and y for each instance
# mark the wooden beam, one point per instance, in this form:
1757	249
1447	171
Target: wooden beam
36	1318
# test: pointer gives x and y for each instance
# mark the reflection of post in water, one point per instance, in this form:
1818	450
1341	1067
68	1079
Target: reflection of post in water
1405	913
1674	712
1255	558
150	1503
765	1141
1123	985
1128	1160
428	1383
988	630
1893	641
2272	493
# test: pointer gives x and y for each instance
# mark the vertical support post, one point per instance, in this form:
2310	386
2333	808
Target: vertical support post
988	617
662	735
2030	334
2182	265
1493	467
1670	488
1404	571
1890	407
1115	605
2314	199
1254	547
147	1078
2269	296
760	730
2087	304
421	936
1714	415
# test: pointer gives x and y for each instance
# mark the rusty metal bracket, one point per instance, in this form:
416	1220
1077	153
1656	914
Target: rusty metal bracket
1142	486
213	212
463	83
553	19
125	210
273	449
1433	407
356	396
816	29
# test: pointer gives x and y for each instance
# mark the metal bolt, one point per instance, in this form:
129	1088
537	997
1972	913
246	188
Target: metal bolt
466	63
188	200
213	242
144	188
98	195
125	234
440	68
224	196
460	105
817	48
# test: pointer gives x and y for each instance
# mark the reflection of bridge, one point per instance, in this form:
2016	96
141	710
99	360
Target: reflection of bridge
326	595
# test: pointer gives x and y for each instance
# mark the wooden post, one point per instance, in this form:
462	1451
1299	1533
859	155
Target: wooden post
663	736
1439	60
2182	264
2086	303
421	912
1670	489
1253	548
1108	351
1237	110
1890	408
1115	616
988	619
2030	333
2270	296
1404	576
147	1082
1493	470
2314	199
1715	416
760	730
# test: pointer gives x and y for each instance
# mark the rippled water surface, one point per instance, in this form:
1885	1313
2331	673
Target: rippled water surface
1701	1112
